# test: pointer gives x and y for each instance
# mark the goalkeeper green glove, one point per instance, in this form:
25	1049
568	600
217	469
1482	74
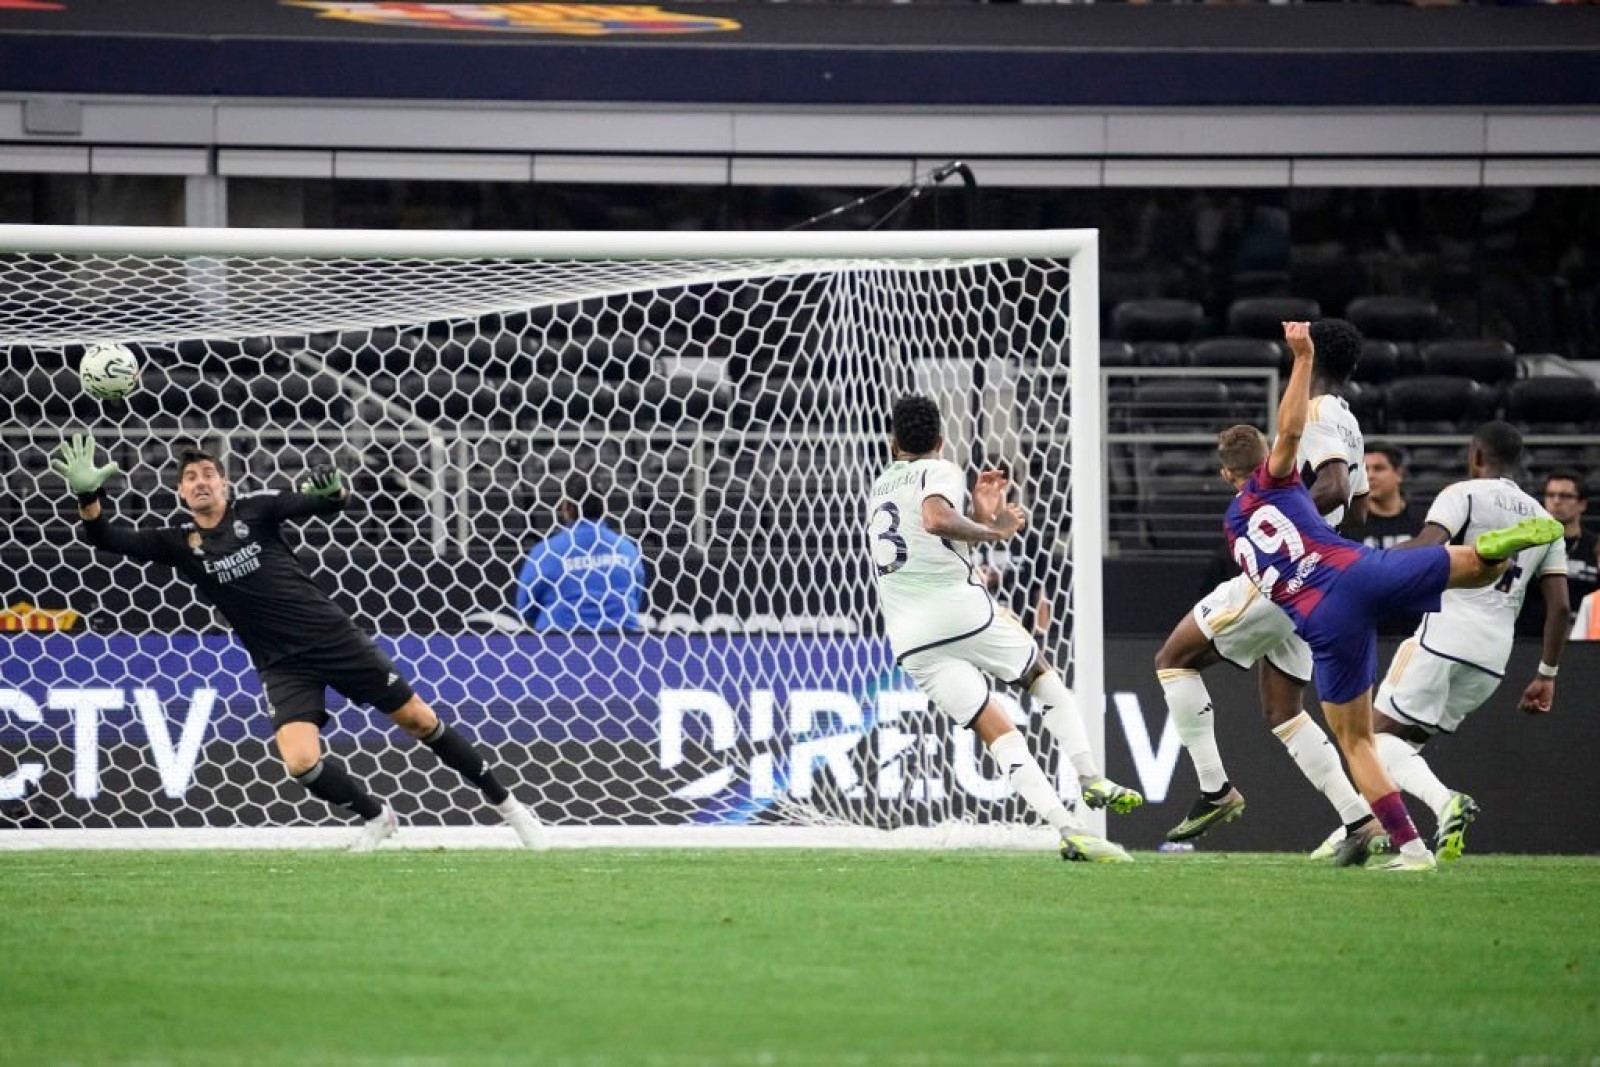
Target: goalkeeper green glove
323	481
74	461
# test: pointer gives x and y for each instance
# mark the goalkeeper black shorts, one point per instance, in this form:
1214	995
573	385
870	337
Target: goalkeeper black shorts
354	666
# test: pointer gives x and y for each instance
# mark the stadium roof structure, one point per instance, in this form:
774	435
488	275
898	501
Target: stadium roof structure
1094	55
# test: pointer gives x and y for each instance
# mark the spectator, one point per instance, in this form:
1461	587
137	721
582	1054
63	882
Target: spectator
585	577
1566	501
1390	518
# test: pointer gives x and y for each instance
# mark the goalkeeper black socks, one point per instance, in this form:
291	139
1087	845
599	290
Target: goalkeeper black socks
456	752
331	782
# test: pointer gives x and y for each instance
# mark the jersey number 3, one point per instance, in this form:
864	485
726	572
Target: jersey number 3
885	536
1271	531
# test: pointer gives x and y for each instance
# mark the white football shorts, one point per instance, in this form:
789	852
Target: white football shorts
955	676
1245	626
1427	690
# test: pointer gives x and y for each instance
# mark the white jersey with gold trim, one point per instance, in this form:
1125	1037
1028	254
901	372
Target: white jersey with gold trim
925	584
1475	626
1332	433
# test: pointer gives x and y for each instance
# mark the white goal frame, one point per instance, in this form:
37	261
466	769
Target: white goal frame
1085	448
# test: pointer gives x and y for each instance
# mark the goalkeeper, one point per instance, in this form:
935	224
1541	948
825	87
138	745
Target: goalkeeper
300	642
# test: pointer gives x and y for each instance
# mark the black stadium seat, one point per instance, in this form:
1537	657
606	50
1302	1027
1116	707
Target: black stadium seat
1116	354
1395	318
1487	362
1433	403
1379	363
1157	320
1235	352
1158	354
1554	405
1264	316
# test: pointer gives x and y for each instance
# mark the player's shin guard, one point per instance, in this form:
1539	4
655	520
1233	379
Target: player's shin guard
1318	760
457	753
328	780
1061	718
1411	772
1189	705
1010	751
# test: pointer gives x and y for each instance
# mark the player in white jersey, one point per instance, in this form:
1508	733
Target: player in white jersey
947	632
1455	660
1235	624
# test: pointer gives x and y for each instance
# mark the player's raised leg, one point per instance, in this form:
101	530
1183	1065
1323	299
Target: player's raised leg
1494	548
300	746
1061	718
419	720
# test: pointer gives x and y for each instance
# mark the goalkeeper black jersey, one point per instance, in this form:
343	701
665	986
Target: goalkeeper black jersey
245	568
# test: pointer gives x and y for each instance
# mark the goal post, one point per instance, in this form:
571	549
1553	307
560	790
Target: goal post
722	397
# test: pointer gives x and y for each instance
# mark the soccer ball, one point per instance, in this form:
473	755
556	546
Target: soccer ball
109	371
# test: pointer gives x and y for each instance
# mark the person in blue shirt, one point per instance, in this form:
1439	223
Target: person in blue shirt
585	577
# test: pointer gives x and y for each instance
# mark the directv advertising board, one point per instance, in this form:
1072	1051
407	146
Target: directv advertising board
173	731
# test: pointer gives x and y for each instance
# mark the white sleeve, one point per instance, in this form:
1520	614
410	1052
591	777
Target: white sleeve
1320	440
1451	508
945	480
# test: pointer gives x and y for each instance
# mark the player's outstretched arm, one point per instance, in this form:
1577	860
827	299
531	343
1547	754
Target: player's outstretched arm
1540	693
940	519
74	461
1296	402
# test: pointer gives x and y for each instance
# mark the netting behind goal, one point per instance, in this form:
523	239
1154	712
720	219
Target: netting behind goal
729	411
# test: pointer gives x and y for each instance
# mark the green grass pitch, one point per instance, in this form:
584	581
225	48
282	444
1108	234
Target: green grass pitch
772	958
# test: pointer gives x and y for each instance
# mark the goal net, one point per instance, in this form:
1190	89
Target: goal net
722	398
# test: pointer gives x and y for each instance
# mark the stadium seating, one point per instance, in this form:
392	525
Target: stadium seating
1158	320
1264	316
1395	318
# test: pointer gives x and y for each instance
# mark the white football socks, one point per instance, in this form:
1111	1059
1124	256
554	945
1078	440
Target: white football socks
1318	759
1010	751
1189	705
1411	772
1061	718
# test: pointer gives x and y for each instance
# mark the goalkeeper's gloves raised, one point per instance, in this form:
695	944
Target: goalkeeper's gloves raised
324	482
73	459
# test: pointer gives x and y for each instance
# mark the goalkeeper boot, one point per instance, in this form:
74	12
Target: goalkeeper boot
1104	793
1451	839
1087	848
529	830
1361	844
1204	814
1503	544
375	832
